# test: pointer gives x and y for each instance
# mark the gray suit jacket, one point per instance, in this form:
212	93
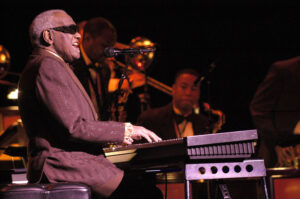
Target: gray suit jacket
64	135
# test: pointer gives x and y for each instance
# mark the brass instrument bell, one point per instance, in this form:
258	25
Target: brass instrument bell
140	61
4	61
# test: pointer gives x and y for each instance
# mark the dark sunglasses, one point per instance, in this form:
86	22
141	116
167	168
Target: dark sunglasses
72	29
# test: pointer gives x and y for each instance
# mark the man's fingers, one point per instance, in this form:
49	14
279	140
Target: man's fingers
289	153
152	135
155	138
147	138
145	133
128	141
285	155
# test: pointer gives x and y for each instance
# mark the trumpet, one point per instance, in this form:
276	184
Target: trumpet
151	81
5	66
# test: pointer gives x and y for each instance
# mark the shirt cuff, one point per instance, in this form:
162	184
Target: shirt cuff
128	131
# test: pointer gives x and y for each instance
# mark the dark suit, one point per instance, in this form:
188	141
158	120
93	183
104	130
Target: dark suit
61	123
102	96
275	108
161	121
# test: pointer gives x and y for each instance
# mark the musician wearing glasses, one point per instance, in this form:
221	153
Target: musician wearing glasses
60	120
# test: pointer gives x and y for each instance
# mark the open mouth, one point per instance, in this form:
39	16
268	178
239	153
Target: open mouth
76	44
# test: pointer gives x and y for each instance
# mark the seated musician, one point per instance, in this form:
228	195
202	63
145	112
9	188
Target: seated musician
182	117
65	135
179	118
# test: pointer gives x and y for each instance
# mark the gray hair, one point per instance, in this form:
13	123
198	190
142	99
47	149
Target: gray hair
40	23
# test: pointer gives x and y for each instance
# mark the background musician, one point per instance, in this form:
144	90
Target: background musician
178	118
100	75
275	110
182	117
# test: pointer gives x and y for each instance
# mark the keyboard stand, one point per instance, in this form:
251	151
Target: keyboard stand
222	186
225	170
224	190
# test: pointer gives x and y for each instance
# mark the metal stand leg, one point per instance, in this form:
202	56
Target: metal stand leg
224	191
265	188
187	190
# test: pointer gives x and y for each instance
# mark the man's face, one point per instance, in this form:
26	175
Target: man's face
66	44
185	93
94	47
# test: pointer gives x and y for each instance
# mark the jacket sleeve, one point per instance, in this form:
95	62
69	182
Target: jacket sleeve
58	93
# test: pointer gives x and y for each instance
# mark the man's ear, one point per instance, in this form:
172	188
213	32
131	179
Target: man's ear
87	37
47	37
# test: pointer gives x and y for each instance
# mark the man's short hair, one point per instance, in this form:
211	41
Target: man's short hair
96	26
41	22
190	71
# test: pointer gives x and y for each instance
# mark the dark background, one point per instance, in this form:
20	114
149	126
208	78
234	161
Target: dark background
241	38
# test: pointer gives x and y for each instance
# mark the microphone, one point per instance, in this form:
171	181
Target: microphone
211	67
111	52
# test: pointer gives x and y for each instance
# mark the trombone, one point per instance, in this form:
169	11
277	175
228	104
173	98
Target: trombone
151	81
140	62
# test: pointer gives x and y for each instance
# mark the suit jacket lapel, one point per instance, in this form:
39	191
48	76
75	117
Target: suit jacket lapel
75	79
77	82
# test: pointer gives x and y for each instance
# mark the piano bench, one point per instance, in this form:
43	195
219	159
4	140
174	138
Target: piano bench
45	191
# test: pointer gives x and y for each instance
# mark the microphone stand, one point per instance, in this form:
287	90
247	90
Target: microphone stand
208	81
206	73
119	92
209	97
144	98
